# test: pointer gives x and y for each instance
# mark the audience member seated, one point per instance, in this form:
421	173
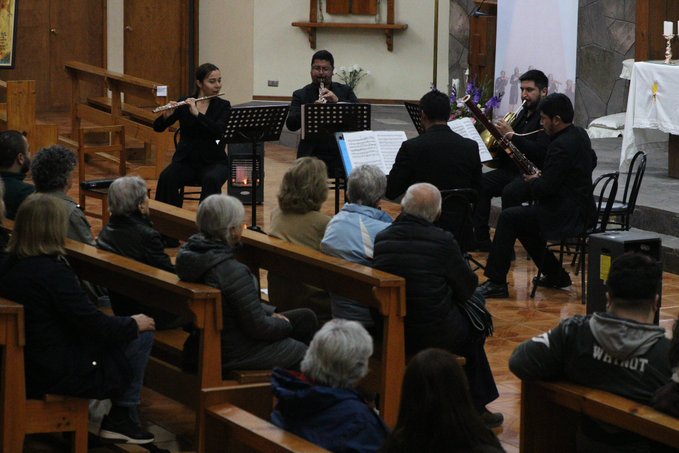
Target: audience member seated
253	335
298	219
666	399
436	412
351	232
71	347
4	236
130	233
620	351
14	164
438	281
321	403
52	171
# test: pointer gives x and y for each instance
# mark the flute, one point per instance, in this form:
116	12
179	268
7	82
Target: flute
169	106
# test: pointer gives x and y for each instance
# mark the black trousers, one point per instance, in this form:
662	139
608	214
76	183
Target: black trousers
211	178
503	182
456	335
522	223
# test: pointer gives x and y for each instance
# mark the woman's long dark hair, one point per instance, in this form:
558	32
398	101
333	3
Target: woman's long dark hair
202	72
436	412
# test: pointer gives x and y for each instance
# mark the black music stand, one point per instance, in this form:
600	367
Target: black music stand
324	120
252	125
414	111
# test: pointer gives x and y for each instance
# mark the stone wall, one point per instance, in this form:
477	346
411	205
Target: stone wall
605	39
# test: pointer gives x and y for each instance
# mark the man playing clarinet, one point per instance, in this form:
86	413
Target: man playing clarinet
321	90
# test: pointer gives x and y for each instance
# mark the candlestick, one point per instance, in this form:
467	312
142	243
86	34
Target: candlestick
668	48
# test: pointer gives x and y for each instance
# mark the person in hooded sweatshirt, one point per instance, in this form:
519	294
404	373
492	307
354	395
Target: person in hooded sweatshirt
620	351
321	403
254	336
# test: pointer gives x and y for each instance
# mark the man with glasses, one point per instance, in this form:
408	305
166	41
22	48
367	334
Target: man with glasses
324	148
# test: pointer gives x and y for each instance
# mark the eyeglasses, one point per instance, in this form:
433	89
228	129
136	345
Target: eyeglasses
321	68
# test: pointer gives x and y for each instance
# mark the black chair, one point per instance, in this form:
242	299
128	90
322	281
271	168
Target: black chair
622	210
457	208
604	188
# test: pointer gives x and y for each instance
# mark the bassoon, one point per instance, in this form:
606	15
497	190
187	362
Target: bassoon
525	165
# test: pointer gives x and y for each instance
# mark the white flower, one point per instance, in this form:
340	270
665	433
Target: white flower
356	68
343	69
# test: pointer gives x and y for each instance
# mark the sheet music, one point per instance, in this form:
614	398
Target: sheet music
362	149
465	128
389	142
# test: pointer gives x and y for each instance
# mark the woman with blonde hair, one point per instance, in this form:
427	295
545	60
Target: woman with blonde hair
72	348
298	219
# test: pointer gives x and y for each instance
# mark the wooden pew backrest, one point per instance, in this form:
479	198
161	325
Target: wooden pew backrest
549	413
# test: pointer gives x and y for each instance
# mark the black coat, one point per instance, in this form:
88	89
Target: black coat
564	190
440	157
199	135
133	236
437	276
325	147
251	337
72	348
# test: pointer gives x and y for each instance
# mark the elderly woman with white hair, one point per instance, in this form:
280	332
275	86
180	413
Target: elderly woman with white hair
321	403
351	232
130	233
253	335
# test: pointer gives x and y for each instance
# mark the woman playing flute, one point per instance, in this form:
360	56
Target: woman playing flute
198	159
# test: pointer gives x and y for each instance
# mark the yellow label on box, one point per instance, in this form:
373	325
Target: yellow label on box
604	267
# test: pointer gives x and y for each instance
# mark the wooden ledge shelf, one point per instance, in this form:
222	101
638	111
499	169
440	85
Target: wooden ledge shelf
311	27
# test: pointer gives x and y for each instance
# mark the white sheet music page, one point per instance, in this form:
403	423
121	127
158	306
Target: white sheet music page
465	128
389	143
362	149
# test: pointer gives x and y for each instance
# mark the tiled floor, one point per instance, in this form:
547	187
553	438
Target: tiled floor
516	319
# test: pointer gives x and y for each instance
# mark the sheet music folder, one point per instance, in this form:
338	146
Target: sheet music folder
319	120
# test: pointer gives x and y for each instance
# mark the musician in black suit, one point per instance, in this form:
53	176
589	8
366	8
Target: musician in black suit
564	205
506	180
324	148
439	156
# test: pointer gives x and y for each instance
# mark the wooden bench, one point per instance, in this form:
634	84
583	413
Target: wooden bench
108	111
550	412
18	113
241	424
380	290
19	416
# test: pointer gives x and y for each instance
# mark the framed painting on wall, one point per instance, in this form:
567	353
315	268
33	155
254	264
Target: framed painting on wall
8	27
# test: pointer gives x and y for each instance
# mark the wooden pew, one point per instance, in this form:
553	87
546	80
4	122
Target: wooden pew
108	111
380	290
550	412
19	416
18	113
241	425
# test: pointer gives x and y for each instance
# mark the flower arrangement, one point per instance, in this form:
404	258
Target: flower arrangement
482	95
351	75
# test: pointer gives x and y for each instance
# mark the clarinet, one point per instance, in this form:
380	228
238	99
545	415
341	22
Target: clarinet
526	166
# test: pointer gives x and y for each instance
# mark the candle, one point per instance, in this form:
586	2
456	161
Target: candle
668	28
456	85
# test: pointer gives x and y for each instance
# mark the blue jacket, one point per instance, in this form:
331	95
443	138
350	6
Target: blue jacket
351	235
336	419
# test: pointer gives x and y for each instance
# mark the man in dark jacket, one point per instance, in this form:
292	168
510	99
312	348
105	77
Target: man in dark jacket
324	148
14	164
525	134
564	205
438	279
439	156
620	351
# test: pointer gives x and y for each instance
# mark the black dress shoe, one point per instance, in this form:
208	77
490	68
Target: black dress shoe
492	290
561	280
492	419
